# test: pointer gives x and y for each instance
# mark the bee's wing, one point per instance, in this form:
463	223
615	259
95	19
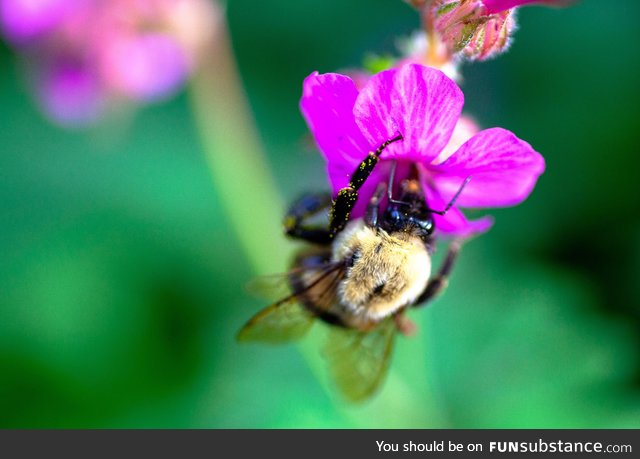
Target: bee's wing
311	263
358	361
269	287
280	322
287	319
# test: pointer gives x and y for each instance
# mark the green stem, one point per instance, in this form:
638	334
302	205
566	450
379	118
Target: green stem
241	175
236	160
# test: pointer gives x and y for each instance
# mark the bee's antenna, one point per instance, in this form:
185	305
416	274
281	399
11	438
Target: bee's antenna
453	200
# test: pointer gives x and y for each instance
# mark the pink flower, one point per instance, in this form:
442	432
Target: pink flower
91	55
479	29
424	105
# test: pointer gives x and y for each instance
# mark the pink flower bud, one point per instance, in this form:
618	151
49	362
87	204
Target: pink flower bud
466	26
479	29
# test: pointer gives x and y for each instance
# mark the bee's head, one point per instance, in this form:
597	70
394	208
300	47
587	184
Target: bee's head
384	271
404	218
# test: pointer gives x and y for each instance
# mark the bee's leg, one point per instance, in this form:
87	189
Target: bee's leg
373	209
404	325
438	283
347	196
307	206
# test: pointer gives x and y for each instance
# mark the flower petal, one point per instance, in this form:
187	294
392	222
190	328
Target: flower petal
421	103
503	170
453	222
327	106
464	130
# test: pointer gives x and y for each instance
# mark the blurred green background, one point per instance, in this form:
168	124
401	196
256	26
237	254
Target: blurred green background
122	281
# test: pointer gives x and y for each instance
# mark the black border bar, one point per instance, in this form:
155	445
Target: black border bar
325	444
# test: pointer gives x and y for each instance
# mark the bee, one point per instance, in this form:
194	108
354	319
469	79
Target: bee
359	276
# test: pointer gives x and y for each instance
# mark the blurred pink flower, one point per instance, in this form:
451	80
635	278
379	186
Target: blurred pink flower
424	105
144	66
24	20
121	50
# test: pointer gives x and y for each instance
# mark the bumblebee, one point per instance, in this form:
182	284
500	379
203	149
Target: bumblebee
359	276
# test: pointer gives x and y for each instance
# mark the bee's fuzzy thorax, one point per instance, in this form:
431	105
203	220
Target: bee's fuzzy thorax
385	272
